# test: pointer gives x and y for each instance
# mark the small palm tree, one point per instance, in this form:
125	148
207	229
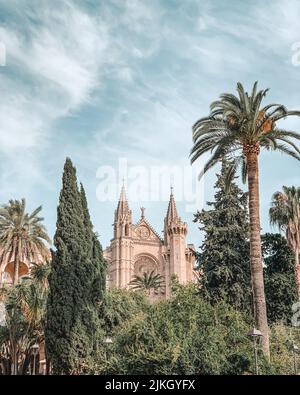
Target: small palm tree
22	235
285	212
236	129
40	273
147	282
25	305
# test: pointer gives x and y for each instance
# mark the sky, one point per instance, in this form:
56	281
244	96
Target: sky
122	82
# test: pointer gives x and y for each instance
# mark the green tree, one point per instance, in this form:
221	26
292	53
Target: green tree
147	282
183	335
73	328
236	129
280	287
281	340
25	308
22	235
223	262
285	212
121	306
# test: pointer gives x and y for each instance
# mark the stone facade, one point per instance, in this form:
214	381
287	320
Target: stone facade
137	248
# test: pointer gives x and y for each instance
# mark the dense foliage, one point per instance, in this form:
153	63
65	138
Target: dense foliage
184	335
280	285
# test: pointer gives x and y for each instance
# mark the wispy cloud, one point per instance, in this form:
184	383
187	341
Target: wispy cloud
57	66
103	80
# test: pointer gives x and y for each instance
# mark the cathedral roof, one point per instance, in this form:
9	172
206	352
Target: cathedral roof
144	221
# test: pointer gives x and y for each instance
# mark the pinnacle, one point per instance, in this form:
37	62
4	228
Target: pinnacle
172	210
123	207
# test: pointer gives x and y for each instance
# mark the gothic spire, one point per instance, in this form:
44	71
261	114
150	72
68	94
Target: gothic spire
123	208
172	210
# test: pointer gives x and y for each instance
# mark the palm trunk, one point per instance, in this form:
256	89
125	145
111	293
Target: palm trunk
257	276
14	357
16	268
48	362
297	272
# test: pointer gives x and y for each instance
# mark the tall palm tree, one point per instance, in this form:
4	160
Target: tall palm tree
147	282
236	129
22	235
285	212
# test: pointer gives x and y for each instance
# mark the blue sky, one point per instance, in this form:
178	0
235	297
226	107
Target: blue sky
103	80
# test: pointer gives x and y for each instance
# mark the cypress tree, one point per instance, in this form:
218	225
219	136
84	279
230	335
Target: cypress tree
223	262
73	325
98	262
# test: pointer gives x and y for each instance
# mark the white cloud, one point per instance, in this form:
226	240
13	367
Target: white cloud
58	65
140	17
273	25
19	128
52	69
60	62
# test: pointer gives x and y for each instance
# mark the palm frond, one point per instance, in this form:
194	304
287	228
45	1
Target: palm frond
22	235
285	213
240	121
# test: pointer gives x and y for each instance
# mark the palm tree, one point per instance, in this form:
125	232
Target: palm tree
25	306
147	282
285	212
236	129
40	273
22	235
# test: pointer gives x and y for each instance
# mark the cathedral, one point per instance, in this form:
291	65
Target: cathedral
137	249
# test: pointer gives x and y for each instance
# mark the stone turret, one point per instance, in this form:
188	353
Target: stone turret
121	244
123	217
175	232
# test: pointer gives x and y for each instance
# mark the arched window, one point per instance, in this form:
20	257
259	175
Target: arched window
126	230
6	278
145	264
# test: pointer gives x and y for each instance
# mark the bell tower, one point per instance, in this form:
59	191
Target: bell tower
123	217
175	232
121	244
